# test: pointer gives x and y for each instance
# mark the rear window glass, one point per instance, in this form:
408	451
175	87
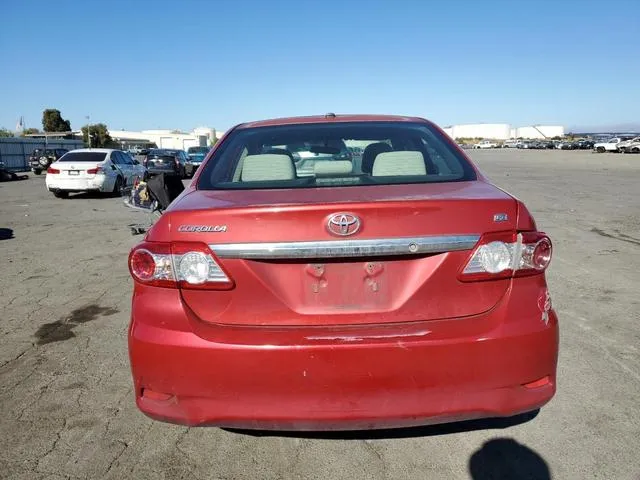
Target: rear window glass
83	157
331	155
198	150
162	153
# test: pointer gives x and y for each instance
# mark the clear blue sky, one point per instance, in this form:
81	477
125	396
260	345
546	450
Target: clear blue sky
183	63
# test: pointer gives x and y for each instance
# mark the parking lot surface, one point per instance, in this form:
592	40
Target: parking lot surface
66	395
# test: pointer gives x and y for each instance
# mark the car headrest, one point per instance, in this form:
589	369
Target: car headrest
267	167
279	151
371	152
389	164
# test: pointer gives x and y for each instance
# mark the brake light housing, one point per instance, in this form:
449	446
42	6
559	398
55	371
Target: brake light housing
95	171
184	265
53	171
507	255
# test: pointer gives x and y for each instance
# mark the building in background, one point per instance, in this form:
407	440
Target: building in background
503	131
199	137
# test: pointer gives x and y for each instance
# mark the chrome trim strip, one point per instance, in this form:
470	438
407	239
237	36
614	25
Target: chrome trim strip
346	248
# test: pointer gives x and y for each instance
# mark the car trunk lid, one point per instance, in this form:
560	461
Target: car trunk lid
291	267
78	169
161	162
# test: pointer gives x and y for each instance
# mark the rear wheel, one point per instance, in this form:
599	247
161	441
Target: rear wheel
600	149
37	171
117	187
635	149
61	194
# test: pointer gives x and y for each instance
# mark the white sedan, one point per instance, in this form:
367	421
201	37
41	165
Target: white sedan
95	169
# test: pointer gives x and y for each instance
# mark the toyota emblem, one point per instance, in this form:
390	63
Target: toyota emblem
343	224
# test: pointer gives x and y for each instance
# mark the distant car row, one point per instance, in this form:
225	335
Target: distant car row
581	144
617	144
620	144
171	161
109	171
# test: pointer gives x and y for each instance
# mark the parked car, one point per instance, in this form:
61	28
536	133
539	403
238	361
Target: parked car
511	144
533	145
610	145
167	161
196	156
95	169
633	147
624	144
583	144
486	144
40	159
400	288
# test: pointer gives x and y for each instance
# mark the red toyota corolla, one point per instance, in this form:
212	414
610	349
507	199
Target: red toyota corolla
341	272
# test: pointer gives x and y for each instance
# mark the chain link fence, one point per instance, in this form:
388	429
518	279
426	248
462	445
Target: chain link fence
15	151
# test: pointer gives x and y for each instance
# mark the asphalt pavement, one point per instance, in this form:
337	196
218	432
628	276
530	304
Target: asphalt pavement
66	396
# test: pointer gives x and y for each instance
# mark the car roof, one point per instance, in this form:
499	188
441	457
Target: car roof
329	118
97	150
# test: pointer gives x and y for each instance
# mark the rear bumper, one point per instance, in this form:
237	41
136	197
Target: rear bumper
98	183
158	171
499	364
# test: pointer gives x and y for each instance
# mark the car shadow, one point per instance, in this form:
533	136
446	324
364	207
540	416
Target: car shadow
91	195
410	432
6	234
505	458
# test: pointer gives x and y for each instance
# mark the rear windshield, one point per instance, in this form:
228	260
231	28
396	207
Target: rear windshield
162	153
83	157
198	150
334	155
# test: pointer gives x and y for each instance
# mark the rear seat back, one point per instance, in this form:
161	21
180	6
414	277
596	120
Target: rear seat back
332	167
267	167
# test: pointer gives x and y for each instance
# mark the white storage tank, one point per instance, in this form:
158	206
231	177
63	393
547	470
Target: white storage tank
493	131
540	131
205	135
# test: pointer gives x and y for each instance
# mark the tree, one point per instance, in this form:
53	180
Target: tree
100	137
52	121
30	131
5	133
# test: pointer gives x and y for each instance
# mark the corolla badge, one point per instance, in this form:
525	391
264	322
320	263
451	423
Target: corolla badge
343	224
202	228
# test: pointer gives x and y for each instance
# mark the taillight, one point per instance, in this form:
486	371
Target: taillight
52	170
94	171
508	254
186	265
